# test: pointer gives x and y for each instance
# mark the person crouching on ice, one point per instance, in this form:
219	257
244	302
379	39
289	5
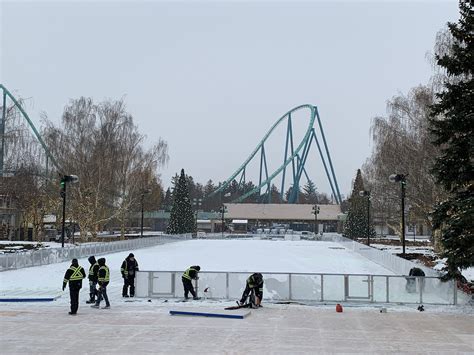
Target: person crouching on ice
190	274
254	287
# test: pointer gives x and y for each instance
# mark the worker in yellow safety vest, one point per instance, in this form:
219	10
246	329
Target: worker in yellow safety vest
104	278
190	274
74	276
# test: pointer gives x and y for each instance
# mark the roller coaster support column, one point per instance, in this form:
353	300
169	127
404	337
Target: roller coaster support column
2	130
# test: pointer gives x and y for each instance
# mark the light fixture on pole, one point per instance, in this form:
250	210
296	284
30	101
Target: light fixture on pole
367	194
144	192
401	178
223	210
64	180
316	210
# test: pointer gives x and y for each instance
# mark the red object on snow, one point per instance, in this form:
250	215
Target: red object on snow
338	308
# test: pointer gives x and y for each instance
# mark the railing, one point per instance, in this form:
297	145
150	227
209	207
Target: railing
392	262
305	287
39	257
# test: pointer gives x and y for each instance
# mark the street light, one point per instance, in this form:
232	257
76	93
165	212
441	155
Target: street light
144	192
223	210
64	180
367	194
316	210
197	202
401	178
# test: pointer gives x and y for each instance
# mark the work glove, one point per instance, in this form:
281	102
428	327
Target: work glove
64	286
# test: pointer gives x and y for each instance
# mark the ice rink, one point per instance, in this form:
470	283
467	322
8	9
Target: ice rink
142	326
211	255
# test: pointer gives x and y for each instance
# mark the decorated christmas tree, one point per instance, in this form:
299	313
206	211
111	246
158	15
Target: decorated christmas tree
182	216
356	222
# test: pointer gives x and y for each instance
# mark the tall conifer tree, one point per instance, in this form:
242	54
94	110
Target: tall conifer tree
182	216
356	222
452	124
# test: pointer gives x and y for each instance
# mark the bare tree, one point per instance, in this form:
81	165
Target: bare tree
402	144
101	144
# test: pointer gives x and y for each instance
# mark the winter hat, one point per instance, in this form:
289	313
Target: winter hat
131	255
75	262
92	259
197	267
101	261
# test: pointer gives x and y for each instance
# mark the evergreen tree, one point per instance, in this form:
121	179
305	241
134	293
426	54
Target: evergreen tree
452	122
167	202
309	193
275	194
182	216
356	222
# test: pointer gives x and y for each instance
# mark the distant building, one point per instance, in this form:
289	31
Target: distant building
294	216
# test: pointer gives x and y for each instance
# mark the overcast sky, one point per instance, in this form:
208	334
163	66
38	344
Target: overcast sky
211	78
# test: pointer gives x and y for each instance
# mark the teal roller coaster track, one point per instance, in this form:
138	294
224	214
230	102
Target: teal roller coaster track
6	94
296	157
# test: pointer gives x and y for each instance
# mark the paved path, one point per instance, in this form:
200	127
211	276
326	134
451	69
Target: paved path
143	327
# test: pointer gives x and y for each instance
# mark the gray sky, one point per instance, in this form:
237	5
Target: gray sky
211	78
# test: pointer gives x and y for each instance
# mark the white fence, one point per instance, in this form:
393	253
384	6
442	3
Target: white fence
391	262
56	255
305	287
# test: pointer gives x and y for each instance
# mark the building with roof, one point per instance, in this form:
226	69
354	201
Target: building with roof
294	216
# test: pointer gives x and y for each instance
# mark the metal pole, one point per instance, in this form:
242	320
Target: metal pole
315	221
222	224
64	214
141	225
368	220
403	216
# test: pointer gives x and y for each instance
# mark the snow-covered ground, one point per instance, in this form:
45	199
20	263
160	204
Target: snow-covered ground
143	326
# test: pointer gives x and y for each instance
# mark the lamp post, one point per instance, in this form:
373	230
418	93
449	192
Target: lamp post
401	178
222	210
367	194
64	180
316	210
197	203
144	192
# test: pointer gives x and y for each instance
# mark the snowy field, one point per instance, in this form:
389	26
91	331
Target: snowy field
145	326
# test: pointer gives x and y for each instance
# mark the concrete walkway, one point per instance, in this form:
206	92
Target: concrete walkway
143	327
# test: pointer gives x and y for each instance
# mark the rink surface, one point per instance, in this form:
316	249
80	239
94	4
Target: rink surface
146	327
212	255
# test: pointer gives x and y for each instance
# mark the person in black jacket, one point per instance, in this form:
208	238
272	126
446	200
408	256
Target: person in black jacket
104	278
74	276
254	284
411	280
93	278
128	270
190	274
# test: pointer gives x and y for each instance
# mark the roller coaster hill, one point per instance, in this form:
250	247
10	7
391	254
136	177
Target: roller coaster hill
293	168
